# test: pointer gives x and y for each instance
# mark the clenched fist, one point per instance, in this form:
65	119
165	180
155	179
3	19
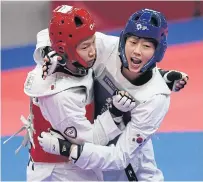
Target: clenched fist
122	102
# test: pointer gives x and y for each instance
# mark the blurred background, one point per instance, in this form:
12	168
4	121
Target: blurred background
178	144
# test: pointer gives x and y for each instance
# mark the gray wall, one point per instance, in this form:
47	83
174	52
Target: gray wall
20	21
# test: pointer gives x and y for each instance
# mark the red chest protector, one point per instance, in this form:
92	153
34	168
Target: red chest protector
40	125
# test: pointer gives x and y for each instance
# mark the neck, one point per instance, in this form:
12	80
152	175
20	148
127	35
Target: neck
136	78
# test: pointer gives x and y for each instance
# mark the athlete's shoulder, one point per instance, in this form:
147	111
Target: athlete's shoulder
156	86
106	40
35	86
43	32
105	45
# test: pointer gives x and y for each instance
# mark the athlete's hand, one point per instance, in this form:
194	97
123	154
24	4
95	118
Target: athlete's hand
176	80
51	60
53	143
122	102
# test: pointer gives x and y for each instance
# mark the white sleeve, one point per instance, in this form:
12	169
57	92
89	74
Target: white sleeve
42	41
66	113
106	46
145	121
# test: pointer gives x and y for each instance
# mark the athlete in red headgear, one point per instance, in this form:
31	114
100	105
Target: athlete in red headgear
59	101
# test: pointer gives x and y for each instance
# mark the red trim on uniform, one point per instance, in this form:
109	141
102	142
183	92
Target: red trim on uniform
40	124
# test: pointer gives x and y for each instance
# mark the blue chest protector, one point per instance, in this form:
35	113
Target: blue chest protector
104	88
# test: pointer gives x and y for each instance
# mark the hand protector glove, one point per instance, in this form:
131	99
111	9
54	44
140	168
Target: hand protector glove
54	143
122	102
175	80
51	61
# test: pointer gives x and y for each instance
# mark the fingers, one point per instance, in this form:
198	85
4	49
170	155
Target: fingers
40	138
132	105
43	136
45	67
127	102
50	63
46	60
122	97
181	83
59	58
123	101
44	74
117	98
176	80
52	54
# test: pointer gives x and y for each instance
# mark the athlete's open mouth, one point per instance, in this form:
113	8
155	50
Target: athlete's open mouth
135	61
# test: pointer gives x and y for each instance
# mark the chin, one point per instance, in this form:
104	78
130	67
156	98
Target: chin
135	70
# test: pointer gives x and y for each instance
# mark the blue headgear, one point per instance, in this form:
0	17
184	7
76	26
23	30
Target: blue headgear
146	23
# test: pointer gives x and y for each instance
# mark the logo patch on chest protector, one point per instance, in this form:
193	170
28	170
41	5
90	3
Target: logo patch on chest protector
29	81
71	132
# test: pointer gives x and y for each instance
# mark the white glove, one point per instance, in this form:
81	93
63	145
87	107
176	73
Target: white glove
49	142
123	101
54	143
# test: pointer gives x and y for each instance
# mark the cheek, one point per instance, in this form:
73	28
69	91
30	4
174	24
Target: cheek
128	52
148	55
83	54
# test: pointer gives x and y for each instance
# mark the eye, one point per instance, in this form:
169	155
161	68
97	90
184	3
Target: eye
147	46
85	47
133	42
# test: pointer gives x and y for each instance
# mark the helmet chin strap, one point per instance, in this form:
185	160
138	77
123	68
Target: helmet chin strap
76	69
148	69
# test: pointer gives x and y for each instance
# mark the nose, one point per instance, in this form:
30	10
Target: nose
92	51
137	49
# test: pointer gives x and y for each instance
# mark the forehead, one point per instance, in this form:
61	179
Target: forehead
133	37
87	41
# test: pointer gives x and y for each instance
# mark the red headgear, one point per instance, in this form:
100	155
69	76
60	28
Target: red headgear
68	27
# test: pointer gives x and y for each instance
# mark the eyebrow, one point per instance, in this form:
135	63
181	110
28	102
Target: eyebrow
133	37
145	39
86	43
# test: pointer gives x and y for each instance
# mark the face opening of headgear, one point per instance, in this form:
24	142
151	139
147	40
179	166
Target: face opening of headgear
148	24
69	26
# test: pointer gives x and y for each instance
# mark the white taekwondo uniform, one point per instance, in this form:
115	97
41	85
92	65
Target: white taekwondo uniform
148	96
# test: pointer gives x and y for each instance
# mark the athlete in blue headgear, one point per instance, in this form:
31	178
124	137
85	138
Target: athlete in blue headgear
151	26
143	42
